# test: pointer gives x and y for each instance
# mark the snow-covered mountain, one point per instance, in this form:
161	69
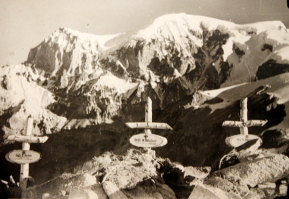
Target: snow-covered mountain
177	54
196	69
171	47
95	78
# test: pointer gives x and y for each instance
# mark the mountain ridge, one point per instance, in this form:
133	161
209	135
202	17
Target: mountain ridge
177	55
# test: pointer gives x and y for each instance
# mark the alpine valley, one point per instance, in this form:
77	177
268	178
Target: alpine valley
81	89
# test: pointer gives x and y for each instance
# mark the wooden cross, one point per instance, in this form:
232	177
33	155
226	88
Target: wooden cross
148	124
26	139
244	123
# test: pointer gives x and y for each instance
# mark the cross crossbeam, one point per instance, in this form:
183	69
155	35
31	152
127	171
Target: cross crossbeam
148	124
244	123
27	138
241	124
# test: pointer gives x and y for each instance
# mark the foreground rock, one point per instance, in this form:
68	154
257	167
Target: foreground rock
135	175
210	192
141	175
250	173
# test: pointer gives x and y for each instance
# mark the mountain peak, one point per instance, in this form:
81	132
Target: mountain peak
182	22
70	50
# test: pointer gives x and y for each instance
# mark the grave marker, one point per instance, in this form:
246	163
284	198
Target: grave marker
22	156
147	139
25	156
244	136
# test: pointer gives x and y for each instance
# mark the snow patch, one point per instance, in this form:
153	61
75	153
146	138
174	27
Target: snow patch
111	81
259	27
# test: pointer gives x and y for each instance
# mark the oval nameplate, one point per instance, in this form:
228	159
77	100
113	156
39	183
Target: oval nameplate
238	140
150	140
22	156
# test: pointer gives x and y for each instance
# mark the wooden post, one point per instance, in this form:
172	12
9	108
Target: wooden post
148	114
148	124
148	117
244	116
24	170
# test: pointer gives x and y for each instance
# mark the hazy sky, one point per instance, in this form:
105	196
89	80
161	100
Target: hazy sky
25	23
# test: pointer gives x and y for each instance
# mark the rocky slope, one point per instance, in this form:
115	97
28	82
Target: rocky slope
85	87
140	174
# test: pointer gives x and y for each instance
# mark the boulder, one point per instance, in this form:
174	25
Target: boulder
252	173
113	191
91	192
140	193
82	194
197	172
61	186
125	171
227	186
150	192
210	192
256	193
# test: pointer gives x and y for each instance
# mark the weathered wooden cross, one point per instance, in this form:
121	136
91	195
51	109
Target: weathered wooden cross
148	139
244	123
25	156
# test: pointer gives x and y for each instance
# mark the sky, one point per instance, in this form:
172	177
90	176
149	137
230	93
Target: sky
26	23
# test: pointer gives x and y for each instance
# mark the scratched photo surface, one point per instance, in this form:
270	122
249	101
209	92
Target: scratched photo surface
144	99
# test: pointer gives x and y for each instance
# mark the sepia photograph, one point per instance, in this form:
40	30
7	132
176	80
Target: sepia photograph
144	99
